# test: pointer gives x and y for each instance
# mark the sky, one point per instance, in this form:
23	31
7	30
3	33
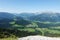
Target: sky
18	6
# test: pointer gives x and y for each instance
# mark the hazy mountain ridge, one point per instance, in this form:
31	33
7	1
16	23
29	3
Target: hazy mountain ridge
43	17
26	15
6	15
47	17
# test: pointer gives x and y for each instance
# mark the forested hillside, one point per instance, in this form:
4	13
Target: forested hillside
45	24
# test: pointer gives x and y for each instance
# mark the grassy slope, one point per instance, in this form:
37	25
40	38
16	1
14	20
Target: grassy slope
8	39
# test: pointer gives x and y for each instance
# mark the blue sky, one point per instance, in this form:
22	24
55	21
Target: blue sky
18	6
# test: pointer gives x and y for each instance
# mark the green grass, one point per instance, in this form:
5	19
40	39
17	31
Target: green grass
56	28
8	39
27	29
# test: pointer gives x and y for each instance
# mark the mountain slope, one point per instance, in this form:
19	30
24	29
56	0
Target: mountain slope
5	15
26	15
47	17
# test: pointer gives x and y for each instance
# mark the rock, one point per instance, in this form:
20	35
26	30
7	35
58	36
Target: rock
38	38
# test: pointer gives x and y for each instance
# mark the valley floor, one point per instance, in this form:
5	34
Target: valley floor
39	38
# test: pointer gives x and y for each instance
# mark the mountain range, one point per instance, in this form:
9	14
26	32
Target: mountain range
42	17
25	24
